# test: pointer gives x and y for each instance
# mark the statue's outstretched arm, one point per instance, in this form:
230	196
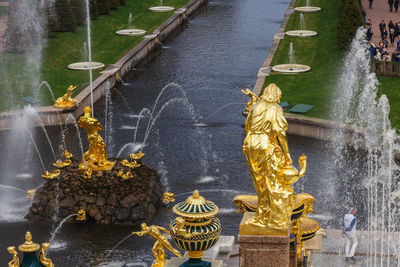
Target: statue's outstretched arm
163	229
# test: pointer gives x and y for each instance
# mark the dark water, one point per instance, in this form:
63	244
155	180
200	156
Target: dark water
218	53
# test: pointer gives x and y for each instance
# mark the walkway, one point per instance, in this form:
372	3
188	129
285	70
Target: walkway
379	11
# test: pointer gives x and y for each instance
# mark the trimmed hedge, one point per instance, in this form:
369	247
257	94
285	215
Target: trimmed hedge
350	19
65	16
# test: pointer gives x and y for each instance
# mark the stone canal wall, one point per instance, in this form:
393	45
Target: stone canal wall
52	116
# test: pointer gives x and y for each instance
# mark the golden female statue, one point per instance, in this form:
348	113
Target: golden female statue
267	153
162	241
42	256
96	157
15	260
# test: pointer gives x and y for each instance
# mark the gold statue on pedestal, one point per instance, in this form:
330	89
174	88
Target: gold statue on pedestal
162	241
267	152
95	159
253	99
15	260
42	256
66	101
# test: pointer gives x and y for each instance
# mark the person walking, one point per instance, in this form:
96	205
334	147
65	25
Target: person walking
396	5
370	3
384	34
390	3
369	33
349	232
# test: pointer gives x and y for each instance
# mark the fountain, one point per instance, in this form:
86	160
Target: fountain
307	8
302	32
292	67
161	8
131	31
131	190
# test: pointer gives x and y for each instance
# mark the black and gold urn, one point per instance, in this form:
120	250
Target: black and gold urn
196	229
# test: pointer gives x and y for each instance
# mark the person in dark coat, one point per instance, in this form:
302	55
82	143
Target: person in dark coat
369	33
384	34
396	5
370	3
390	3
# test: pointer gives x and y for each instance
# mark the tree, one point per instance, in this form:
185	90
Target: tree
114	4
65	16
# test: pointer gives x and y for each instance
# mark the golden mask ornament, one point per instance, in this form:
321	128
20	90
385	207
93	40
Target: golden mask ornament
168	197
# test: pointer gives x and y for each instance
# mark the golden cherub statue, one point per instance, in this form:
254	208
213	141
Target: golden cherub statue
95	159
137	156
51	175
30	193
253	98
267	153
66	101
81	215
125	176
162	241
130	164
42	256
168	197
15	260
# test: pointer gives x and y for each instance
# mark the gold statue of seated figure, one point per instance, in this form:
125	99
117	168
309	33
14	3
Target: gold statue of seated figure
66	101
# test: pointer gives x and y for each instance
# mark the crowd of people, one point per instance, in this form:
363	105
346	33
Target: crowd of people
389	36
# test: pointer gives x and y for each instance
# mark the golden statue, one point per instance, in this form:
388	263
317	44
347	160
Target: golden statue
267	153
81	215
68	155
62	164
253	98
42	256
95	159
125	176
162	241
137	156
30	193
130	164
66	101
51	175
168	197
15	260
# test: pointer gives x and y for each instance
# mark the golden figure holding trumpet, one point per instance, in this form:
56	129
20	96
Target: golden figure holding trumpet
267	153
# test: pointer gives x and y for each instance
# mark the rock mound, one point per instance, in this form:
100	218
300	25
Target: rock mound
106	198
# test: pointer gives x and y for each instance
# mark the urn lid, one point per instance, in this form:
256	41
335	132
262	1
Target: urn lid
28	246
196	207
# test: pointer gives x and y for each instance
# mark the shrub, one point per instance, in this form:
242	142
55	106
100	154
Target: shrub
103	6
79	11
350	19
114	4
65	16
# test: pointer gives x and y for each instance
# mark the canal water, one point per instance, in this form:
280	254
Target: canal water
196	142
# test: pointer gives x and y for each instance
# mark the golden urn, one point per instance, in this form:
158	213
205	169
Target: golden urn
196	229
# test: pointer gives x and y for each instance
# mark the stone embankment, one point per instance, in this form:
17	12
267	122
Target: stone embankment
107	198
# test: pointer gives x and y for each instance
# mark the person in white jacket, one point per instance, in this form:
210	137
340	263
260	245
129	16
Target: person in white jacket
349	232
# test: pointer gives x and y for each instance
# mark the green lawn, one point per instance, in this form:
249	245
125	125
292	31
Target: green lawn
391	87
319	52
3	11
17	80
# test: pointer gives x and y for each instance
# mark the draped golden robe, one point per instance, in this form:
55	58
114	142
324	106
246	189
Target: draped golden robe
265	126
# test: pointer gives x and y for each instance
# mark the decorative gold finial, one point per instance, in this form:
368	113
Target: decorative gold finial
15	260
51	175
42	256
66	101
28	246
95	159
196	194
81	215
161	242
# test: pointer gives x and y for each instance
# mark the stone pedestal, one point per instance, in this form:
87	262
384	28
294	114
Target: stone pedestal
260	250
